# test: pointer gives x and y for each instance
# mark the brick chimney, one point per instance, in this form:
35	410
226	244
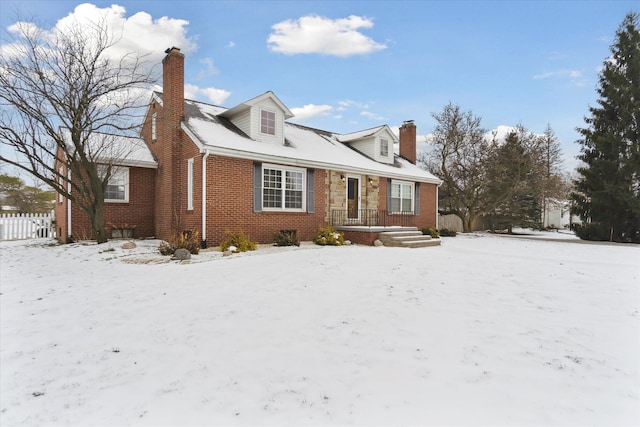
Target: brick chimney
169	185
408	141
173	85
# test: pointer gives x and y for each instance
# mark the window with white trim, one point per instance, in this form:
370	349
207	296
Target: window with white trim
283	188
267	122
117	189
190	184
401	196
154	129
384	148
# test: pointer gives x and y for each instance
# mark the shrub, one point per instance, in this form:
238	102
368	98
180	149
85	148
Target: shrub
445	232
238	240
430	231
189	240
286	238
328	236
593	231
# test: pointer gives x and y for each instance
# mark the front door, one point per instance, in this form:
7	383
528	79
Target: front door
353	198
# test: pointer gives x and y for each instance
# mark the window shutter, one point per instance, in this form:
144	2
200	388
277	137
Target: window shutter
416	200
388	194
311	203
257	187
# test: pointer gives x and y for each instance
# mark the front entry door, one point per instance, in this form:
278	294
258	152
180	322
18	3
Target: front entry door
353	198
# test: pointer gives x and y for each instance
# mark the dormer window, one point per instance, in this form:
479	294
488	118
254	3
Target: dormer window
384	148
267	122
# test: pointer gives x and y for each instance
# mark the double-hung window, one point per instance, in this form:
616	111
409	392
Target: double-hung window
384	148
402	196
283	188
117	189
190	184
267	122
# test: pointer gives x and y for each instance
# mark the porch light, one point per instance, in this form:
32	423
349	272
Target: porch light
342	177
370	180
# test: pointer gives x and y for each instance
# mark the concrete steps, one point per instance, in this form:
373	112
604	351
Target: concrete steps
407	239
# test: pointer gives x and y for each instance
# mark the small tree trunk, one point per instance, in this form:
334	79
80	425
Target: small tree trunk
467	223
97	221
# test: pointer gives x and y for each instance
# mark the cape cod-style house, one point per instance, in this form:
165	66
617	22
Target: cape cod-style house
216	170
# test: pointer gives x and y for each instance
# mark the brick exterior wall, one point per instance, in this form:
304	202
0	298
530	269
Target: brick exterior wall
137	213
230	205
428	203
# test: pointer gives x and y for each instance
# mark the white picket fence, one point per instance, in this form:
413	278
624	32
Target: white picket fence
26	226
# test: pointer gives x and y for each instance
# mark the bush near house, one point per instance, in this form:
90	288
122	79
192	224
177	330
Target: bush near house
239	241
189	240
430	231
286	238
328	236
445	232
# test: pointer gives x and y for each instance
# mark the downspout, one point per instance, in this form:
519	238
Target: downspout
204	199
68	206
437	209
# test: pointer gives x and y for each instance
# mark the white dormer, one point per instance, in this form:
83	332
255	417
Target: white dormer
261	118
376	143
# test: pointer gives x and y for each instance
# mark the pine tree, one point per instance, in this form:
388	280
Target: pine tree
607	190
515	180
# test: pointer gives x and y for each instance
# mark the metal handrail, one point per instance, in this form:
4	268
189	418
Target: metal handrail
371	218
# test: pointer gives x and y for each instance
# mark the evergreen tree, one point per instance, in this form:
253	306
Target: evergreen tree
515	181
607	192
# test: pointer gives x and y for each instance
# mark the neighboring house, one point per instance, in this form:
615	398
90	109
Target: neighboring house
216	170
558	215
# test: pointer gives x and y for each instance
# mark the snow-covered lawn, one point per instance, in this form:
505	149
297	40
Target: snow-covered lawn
483	330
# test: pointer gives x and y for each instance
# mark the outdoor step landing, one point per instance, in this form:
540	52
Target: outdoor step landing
407	239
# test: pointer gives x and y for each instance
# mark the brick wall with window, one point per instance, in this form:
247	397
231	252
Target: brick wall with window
137	213
230	202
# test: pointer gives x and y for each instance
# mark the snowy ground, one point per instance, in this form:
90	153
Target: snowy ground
483	330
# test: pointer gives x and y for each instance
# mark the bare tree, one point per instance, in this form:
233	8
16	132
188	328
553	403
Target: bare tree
70	79
459	157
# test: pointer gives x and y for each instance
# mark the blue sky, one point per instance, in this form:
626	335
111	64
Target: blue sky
345	66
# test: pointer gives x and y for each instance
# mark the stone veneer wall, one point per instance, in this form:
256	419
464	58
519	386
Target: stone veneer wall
336	192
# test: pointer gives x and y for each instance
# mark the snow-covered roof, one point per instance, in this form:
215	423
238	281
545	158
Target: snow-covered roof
353	136
304	146
253	101
118	149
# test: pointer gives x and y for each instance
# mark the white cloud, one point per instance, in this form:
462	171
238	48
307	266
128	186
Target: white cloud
214	95
500	133
231	44
372	116
343	105
310	111
575	76
209	68
317	34
139	33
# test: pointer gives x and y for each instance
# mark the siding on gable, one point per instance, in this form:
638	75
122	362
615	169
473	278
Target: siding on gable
243	121
366	147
